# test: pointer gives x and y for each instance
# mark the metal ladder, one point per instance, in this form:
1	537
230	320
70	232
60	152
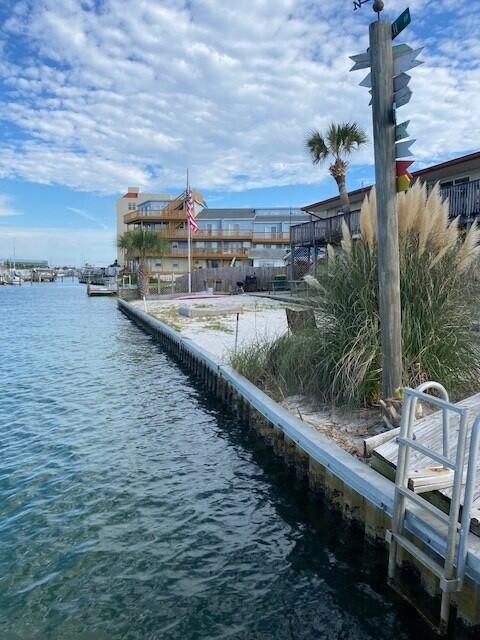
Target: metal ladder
451	573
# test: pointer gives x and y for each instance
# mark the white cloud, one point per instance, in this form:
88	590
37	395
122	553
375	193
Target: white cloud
88	216
58	246
113	96
6	208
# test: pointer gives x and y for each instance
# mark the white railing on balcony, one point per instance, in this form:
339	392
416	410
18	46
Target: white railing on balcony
464	199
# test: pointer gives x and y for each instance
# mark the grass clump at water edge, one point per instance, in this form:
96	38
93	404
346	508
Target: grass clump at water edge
341	360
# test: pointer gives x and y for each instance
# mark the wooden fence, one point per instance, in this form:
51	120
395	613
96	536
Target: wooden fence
226	278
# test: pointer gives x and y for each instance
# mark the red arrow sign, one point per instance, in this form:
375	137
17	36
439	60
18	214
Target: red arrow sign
402	167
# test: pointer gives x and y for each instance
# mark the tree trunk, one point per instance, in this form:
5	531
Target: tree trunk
142	279
344	199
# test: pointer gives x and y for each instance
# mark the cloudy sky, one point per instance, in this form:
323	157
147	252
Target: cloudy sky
97	95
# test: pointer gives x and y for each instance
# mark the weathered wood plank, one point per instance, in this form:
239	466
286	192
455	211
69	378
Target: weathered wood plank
428	432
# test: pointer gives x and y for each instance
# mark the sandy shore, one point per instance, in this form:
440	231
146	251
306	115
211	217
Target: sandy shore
261	319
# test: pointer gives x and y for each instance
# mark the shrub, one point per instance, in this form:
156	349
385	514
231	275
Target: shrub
341	361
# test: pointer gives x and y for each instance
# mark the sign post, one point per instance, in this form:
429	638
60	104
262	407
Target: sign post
388	81
381	62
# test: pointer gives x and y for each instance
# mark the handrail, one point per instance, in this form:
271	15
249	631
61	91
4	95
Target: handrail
445	418
468	497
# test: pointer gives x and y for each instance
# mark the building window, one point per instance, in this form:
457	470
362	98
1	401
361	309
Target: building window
451	183
131	206
174	265
158	264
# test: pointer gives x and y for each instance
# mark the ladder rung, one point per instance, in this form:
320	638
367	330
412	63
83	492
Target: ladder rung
437	569
418	554
427	452
424	504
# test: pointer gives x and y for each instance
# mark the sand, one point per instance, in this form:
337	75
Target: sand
262	319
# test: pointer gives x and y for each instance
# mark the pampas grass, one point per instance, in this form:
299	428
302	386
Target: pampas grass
438	295
341	361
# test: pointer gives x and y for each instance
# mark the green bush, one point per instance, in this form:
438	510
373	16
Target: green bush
341	361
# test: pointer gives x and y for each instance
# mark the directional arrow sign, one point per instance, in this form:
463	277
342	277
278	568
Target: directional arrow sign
402	97
402	149
401	130
406	61
362	60
402	167
401	81
400	23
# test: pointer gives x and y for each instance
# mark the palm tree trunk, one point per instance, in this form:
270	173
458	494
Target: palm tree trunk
142	279
342	189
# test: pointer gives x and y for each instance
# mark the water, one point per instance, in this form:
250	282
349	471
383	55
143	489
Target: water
133	507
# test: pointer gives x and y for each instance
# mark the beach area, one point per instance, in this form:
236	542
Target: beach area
260	319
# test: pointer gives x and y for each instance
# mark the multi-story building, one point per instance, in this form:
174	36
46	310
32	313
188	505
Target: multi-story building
258	237
459	182
129	202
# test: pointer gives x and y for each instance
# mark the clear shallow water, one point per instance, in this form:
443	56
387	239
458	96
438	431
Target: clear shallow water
132	507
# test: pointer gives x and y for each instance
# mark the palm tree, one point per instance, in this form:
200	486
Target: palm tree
338	143
138	244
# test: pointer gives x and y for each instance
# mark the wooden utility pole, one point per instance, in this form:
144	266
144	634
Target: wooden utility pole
381	61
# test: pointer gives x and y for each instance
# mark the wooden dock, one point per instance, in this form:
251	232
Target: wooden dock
424	473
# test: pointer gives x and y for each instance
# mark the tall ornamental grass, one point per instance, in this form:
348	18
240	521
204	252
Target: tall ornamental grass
341	361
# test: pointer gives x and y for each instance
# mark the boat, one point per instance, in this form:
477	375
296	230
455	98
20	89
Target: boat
101	290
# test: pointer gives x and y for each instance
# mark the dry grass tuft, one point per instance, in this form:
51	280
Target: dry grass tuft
341	361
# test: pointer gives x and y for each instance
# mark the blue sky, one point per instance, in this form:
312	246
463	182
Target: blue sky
98	95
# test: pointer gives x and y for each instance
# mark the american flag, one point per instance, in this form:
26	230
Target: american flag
192	223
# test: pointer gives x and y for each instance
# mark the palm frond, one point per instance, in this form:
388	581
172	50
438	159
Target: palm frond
317	147
344	138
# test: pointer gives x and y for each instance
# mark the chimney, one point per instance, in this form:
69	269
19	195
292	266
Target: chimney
134	191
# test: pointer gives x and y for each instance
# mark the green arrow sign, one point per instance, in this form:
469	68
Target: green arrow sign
400	23
401	130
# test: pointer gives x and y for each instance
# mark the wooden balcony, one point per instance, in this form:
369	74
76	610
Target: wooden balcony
464	200
325	231
268	237
208	253
174	210
154	215
202	234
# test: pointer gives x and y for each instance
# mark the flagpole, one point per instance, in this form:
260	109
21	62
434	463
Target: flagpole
189	247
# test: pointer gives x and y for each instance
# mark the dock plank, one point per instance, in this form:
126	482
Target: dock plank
428	432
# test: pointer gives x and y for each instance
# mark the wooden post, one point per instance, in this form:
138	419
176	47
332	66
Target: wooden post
381	56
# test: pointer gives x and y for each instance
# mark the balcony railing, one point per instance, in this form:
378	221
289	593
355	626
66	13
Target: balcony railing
208	253
464	200
271	236
202	234
328	230
154	214
225	234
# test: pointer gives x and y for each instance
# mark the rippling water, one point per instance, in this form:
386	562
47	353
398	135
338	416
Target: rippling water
132	507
